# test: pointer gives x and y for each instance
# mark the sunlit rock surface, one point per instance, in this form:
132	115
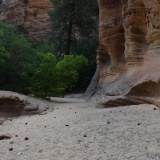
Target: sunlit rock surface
128	60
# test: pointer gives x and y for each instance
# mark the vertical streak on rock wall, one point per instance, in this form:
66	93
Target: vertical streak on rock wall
111	38
135	26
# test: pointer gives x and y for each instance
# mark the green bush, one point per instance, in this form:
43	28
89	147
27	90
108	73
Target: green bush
69	69
45	78
55	78
3	53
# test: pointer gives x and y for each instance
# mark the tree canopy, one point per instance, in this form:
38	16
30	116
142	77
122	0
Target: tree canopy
74	21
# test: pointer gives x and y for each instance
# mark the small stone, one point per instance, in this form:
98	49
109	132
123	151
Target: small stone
79	141
54	117
26	123
16	135
1	122
139	124
40	150
75	112
70	108
67	125
155	108
104	115
108	122
5	136
10	149
45	126
44	113
26	139
85	136
11	142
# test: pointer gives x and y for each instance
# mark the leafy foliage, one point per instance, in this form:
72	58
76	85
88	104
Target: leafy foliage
45	77
3	57
75	20
39	69
19	68
3	54
60	76
45	47
69	69
75	30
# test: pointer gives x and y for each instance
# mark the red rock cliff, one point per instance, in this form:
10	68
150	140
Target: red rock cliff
31	15
128	59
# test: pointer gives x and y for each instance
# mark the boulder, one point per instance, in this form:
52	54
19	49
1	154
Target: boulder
14	104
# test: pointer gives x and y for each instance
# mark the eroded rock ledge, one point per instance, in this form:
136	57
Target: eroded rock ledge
14	104
128	59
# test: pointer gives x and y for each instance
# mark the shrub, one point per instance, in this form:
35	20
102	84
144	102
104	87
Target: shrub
54	78
45	78
69	68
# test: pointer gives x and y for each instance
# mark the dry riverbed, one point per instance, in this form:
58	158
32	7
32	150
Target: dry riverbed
80	131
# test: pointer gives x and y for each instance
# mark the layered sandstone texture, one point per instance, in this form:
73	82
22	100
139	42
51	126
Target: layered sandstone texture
30	17
128	59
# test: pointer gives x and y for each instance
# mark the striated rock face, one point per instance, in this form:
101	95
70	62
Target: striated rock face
31	17
128	59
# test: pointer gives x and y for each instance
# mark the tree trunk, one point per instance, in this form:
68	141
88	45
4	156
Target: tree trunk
70	28
69	38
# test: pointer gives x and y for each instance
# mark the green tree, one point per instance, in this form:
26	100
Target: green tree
3	54
20	64
73	22
45	47
54	78
69	69
45	81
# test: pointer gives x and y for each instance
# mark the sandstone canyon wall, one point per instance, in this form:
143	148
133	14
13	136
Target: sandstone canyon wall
128	58
31	16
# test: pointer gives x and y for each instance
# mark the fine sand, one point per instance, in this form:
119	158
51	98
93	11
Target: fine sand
80	131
